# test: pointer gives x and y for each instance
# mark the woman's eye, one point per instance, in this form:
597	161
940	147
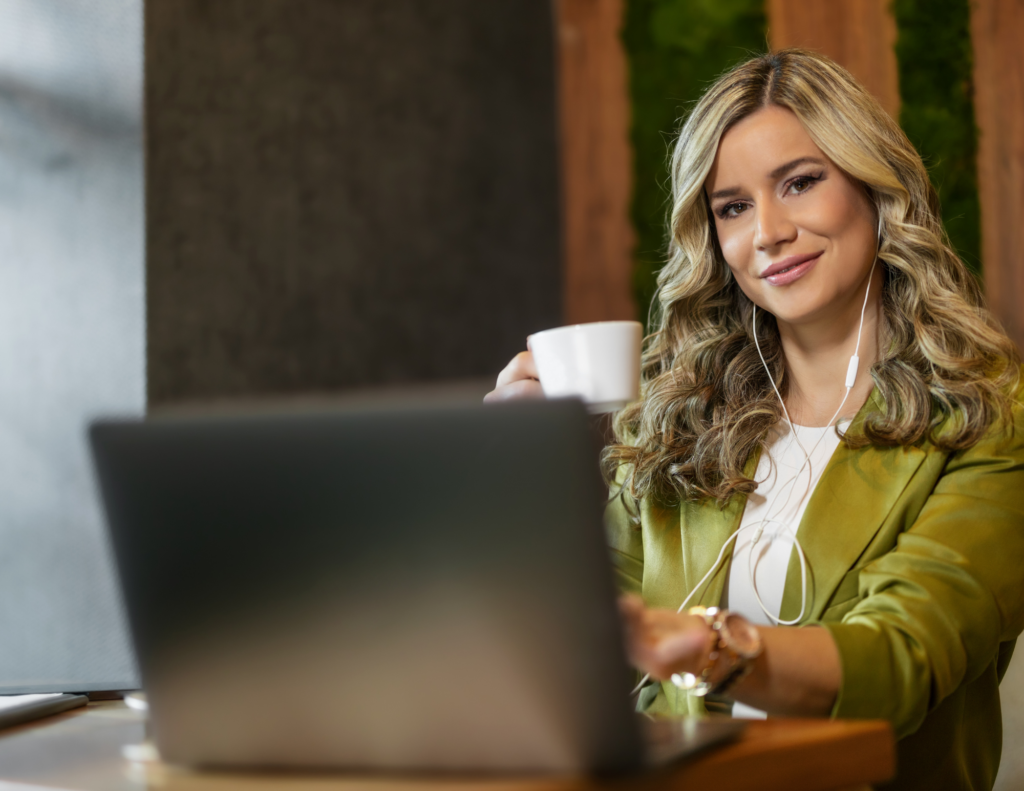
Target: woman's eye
731	210
802	183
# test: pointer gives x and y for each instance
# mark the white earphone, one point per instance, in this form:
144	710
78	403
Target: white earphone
851	378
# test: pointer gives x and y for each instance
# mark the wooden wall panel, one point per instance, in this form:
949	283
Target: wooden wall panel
997	30
596	162
858	34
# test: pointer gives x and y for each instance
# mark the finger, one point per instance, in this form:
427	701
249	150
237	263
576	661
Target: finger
631	608
661	642
643	657
682	650
524	388
669	622
680	653
522	366
631	605
657	622
642	637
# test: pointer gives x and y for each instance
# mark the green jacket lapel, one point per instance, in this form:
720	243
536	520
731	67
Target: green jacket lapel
856	492
706	528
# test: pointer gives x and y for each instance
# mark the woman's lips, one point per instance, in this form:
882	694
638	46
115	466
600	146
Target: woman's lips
786	272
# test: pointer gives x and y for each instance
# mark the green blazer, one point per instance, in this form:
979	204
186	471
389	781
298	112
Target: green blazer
916	563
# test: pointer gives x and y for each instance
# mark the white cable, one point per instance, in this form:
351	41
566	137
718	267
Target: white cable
776	389
696	588
851	376
851	371
771	517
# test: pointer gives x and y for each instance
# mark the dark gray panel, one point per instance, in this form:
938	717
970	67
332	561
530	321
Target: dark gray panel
346	192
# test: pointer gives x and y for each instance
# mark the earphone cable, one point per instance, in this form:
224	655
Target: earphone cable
851	375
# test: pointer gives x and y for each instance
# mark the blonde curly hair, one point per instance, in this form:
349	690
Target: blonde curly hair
707	402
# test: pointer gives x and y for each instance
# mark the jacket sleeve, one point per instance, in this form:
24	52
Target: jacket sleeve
934	611
625	538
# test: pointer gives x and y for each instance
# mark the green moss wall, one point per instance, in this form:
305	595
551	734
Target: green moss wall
933	50
676	48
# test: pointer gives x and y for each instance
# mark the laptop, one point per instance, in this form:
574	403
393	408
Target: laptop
398	589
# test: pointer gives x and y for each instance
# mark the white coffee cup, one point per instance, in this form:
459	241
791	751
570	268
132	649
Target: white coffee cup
598	362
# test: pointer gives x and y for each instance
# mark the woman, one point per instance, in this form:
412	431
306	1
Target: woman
863	521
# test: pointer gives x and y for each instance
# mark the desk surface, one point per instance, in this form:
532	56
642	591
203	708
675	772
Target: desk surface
81	750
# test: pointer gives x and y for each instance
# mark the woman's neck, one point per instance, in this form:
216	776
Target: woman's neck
818	355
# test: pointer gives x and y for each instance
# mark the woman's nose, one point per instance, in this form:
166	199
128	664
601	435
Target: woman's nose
774	227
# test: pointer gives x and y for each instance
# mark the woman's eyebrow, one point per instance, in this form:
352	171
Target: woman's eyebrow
728	193
782	170
779	172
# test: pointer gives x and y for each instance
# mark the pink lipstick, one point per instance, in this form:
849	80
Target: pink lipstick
788	270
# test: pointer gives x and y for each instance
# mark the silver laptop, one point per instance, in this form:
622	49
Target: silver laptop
391	589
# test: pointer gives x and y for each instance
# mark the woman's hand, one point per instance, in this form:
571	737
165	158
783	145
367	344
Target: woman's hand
796	675
519	380
663	642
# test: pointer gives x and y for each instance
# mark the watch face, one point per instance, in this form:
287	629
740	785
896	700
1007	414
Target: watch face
742	637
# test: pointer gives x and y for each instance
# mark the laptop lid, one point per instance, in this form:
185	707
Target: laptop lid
421	589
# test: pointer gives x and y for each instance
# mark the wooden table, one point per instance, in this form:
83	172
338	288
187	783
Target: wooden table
82	750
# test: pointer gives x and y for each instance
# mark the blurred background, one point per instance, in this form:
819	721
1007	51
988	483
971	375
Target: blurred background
348	199
72	326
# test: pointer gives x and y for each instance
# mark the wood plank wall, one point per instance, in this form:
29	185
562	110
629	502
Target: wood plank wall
858	34
596	162
997	30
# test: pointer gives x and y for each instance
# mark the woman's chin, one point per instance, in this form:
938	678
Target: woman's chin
803	307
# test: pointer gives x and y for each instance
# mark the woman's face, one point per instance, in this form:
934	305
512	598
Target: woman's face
798	234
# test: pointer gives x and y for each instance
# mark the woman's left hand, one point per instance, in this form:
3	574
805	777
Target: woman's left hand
663	642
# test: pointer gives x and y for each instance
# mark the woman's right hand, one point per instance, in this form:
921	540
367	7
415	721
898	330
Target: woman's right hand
519	380
662	642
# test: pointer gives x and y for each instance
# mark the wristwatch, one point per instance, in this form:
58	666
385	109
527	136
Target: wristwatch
737	645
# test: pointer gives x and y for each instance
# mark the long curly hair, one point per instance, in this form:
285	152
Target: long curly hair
707	401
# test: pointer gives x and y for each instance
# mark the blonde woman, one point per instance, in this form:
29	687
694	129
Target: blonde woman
859	523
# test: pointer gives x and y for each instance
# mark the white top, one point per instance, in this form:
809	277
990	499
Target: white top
776	507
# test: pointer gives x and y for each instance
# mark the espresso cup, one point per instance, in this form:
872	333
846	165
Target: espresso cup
598	362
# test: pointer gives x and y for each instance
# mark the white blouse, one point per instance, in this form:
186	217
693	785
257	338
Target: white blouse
776	507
